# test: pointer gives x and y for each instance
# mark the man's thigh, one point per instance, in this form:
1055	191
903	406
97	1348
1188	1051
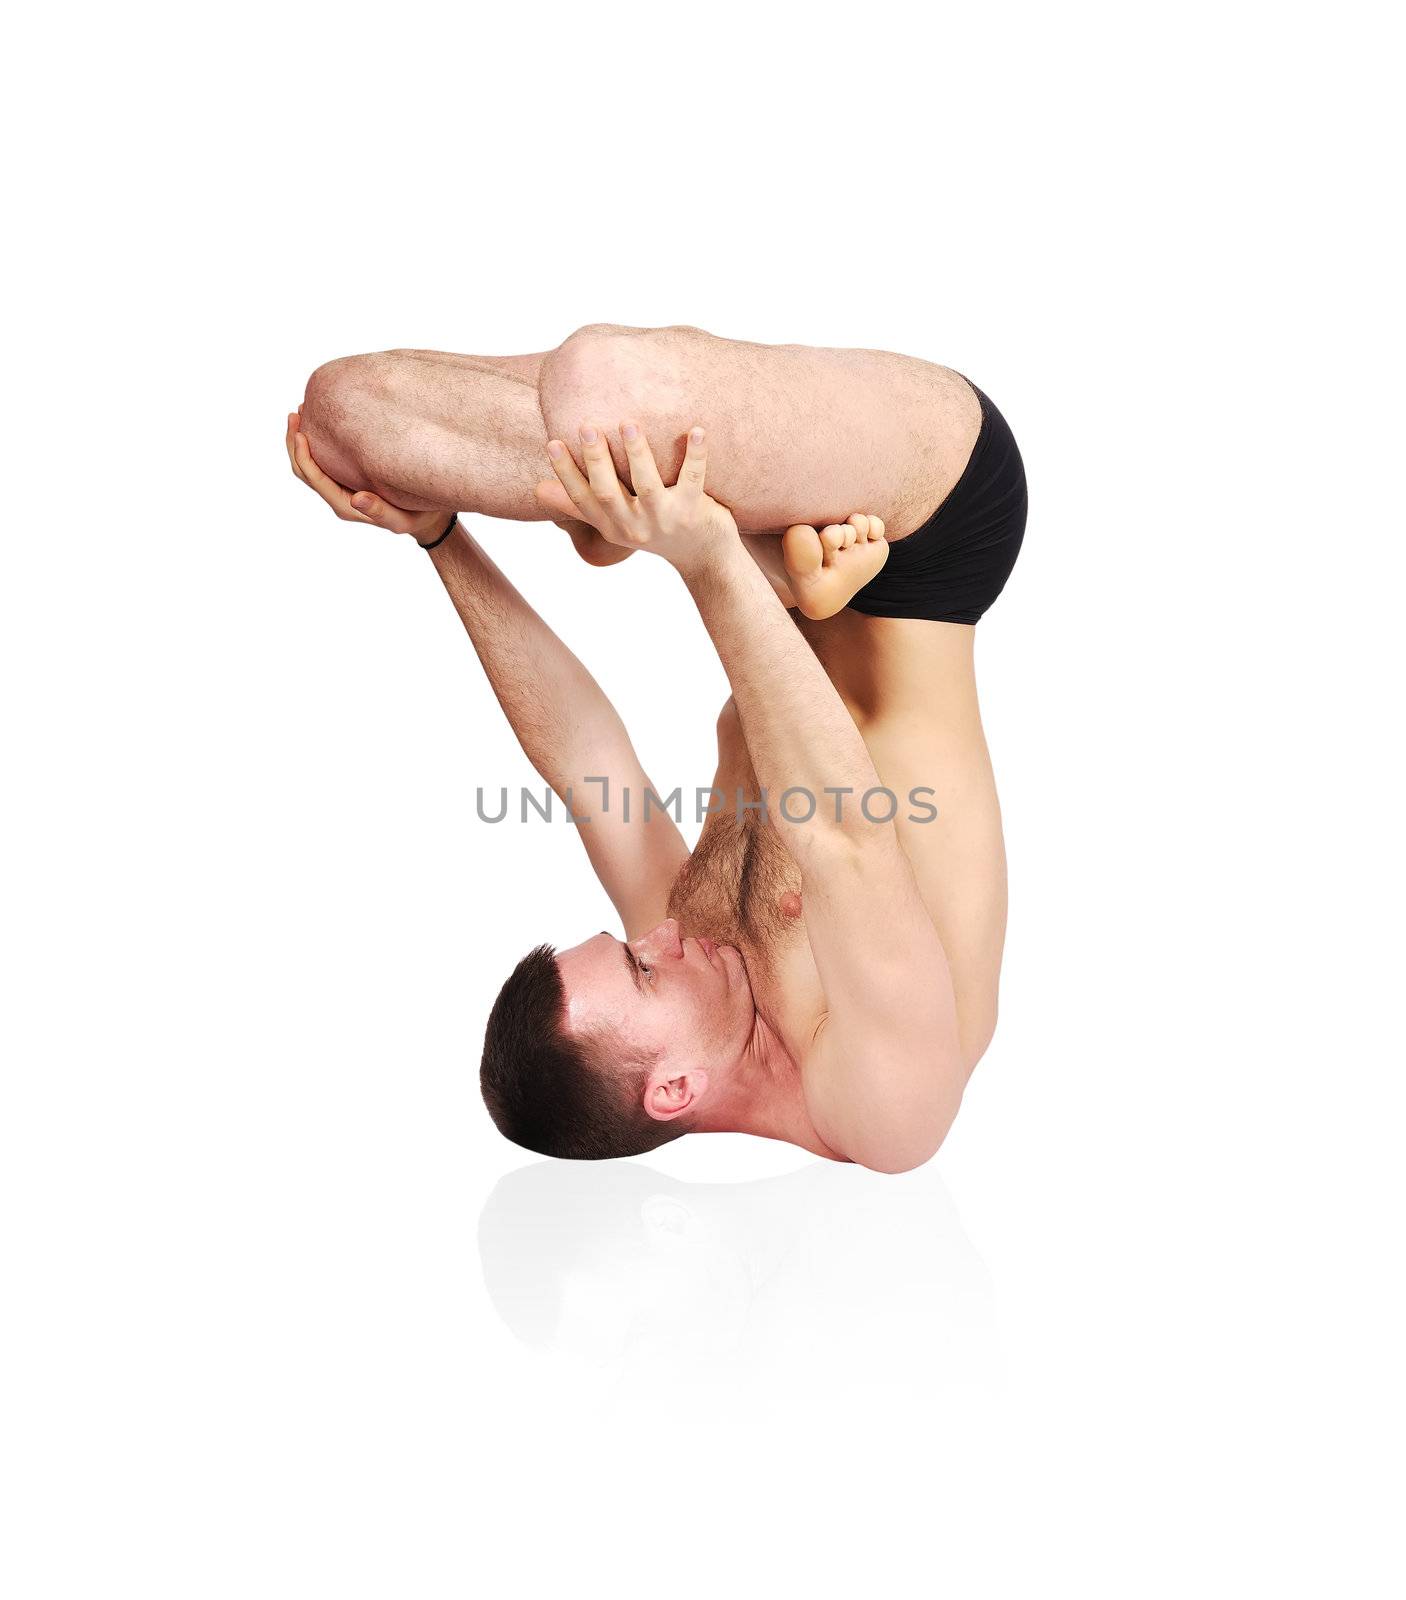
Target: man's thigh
797	433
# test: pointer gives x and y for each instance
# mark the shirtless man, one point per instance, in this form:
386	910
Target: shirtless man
823	974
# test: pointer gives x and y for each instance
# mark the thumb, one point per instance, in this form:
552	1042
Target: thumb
554	499
369	505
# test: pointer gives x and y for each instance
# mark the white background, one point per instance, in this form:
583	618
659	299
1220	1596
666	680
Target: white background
283	1315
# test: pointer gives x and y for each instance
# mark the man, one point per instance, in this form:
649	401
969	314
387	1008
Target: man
824	972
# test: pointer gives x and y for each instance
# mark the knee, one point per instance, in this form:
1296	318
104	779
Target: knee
614	343
342	400
338	390
602	330
603	374
586	363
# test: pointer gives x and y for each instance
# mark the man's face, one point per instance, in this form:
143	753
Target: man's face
685	1000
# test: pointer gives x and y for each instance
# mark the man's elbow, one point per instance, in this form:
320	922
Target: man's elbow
896	1164
901	1139
898	1155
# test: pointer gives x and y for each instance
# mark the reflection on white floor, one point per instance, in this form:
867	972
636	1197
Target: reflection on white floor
760	1286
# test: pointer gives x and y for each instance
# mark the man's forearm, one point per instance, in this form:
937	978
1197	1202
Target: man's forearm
799	734
563	720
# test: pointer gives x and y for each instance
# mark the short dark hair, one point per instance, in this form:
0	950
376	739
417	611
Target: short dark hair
557	1095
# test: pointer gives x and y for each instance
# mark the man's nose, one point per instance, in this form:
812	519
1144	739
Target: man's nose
664	940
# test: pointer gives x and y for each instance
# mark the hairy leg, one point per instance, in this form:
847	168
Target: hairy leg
798	434
424	428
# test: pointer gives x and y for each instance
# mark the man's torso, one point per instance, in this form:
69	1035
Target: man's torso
910	687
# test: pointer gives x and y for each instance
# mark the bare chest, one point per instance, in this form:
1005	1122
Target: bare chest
741	887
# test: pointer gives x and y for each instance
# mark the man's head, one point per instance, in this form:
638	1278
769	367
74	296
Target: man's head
611	1048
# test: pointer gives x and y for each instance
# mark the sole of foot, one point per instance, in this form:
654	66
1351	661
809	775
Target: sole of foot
828	566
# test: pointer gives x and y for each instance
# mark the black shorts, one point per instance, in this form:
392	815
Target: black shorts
954	566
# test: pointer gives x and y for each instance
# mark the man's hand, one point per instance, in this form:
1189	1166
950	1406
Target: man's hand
362	506
682	523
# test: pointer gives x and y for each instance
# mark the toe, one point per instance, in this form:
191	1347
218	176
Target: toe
802	550
831	588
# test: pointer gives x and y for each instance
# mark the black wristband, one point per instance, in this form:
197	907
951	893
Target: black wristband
453	523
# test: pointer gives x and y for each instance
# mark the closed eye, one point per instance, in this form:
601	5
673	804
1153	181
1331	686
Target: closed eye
638	970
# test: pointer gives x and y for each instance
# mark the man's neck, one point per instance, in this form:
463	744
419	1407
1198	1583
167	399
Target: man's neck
763	1095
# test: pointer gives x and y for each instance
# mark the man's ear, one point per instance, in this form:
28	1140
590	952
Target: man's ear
668	1094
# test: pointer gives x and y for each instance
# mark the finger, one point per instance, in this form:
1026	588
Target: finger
288	439
644	470
695	463
365	506
332	492
573	485
311	473
555	500
600	469
393	518
294	433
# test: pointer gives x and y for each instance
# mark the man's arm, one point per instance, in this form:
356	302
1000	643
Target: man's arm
884	1076
566	726
569	731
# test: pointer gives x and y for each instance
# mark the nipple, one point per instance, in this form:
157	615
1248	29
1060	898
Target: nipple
790	904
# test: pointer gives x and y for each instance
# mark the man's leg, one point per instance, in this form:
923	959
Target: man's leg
423	428
428	429
796	433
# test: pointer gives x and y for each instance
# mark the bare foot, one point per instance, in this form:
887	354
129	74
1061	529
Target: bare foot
827	569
